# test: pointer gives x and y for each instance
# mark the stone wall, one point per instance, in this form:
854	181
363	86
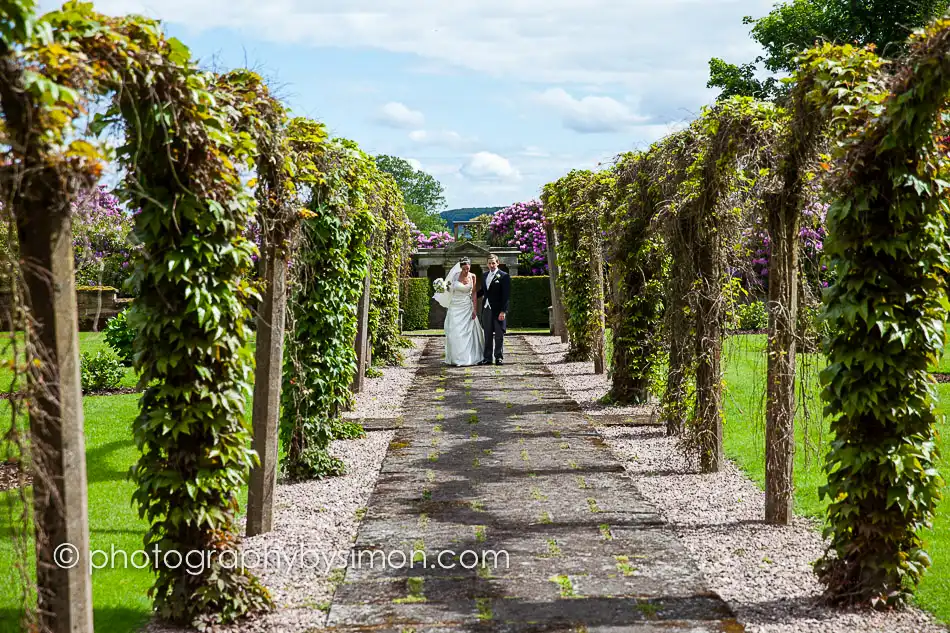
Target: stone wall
95	307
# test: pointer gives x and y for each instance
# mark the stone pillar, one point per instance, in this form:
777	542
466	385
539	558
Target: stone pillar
267	387
362	343
56	420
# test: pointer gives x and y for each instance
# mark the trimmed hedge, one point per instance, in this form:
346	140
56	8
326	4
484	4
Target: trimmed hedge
414	300
530	298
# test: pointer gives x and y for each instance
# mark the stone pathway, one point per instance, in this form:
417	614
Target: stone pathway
498	458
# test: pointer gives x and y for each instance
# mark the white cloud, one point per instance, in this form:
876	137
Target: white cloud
395	114
440	138
653	53
415	164
589	115
490	167
642	44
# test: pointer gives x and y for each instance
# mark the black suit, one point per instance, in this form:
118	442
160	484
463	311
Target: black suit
497	295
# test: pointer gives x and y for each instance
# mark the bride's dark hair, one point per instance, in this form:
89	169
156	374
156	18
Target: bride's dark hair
465	260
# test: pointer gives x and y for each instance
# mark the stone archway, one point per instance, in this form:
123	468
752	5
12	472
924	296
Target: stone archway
433	263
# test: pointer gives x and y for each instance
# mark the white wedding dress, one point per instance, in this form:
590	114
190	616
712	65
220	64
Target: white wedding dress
464	336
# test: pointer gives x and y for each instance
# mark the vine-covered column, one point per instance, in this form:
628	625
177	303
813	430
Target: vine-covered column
256	112
784	220
329	270
557	307
595	202
568	210
191	313
730	128
889	245
828	78
678	399
672	158
638	272
41	174
390	252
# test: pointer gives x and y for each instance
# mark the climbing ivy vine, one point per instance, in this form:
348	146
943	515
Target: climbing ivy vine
731	140
392	244
889	245
576	215
45	166
638	273
191	312
328	273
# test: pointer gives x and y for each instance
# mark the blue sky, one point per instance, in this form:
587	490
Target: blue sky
494	98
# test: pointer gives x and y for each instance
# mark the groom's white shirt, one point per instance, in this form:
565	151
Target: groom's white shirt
488	280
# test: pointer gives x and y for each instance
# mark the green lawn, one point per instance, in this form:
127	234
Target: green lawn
90	342
744	362
119	595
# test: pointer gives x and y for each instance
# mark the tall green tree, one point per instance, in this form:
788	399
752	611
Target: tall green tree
739	81
425	221
418	187
794	26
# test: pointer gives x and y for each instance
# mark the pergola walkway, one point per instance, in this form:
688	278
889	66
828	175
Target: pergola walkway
498	458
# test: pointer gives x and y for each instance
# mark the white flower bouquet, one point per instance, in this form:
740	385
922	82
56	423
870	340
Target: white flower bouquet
439	285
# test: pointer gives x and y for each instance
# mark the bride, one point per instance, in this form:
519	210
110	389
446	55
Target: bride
464	336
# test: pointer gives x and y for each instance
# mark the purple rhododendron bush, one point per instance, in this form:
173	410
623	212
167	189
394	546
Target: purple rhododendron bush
522	225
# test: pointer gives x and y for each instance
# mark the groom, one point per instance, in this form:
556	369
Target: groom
496	288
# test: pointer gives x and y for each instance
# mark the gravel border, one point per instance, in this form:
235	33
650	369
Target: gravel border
382	397
10	476
314	520
317	520
764	572
579	380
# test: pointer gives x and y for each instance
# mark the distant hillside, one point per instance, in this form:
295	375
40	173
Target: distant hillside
461	215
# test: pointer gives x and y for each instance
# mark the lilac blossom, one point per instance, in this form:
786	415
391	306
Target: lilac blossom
102	243
812	235
436	239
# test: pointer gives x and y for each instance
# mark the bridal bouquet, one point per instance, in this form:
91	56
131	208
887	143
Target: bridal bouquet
439	285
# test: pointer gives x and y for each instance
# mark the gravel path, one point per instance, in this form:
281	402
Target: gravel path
382	397
579	380
317	521
764	572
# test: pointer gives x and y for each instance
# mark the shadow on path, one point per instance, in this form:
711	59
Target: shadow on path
499	508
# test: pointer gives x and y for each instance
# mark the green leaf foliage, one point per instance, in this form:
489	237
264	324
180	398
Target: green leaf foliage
391	247
637	272
702	230
417	187
100	372
328	273
794	26
889	244
121	337
739	81
575	205
530	299
191	313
